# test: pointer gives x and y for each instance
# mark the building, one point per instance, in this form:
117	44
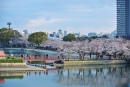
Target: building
59	34
51	35
92	34
55	39
123	18
2	55
65	33
100	34
54	34
25	33
77	34
113	34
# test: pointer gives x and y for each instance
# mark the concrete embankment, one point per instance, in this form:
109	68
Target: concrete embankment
92	62
19	67
95	66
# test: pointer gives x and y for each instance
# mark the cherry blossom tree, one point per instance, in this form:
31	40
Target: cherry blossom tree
117	48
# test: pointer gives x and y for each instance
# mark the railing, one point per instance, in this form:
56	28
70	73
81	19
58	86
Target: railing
41	58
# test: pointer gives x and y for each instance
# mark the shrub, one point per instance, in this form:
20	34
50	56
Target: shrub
12	60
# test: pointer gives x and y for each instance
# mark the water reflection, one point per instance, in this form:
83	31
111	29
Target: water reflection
36	73
117	76
76	76
12	75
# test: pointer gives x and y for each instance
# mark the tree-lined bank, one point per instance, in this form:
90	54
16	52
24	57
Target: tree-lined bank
117	48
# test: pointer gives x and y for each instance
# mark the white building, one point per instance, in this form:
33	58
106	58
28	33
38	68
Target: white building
77	34
65	33
54	38
113	34
92	34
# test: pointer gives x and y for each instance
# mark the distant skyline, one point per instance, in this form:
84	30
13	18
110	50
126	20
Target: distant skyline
82	16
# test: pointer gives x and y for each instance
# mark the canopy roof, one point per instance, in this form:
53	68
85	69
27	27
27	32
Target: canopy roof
2	54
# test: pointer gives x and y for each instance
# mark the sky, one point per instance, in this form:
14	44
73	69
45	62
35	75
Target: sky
74	16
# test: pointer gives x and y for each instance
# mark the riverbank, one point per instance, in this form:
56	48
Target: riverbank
96	66
92	62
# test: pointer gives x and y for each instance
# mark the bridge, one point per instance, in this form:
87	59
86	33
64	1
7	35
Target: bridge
42	59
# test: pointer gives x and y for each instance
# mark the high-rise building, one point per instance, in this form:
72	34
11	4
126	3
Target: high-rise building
65	33
59	34
54	34
123	18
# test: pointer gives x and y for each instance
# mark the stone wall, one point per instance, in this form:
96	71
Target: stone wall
17	65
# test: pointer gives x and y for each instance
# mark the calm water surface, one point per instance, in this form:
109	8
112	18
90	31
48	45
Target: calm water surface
90	76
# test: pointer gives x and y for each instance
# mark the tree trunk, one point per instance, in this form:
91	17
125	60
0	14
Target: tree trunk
110	57
68	57
96	55
90	55
83	56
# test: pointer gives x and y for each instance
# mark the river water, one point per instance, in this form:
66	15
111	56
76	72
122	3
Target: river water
23	51
76	76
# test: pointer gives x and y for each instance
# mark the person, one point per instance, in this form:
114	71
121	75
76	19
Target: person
27	55
22	55
19	55
47	56
39	55
35	56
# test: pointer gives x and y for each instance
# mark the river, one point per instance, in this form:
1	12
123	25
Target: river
73	76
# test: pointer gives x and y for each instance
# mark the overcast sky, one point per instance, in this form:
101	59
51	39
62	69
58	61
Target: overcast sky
82	16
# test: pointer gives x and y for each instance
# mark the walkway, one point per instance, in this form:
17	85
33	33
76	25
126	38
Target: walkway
42	58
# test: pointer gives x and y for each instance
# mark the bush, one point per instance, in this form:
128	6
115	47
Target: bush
12	60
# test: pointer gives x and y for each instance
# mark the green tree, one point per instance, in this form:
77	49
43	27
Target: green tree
81	38
69	37
104	36
6	34
37	37
15	34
